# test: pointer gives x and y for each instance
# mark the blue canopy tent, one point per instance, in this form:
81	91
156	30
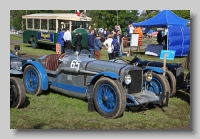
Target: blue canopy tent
170	20
179	39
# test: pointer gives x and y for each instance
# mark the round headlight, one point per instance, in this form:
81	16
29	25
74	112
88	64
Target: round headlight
148	76
16	63
127	79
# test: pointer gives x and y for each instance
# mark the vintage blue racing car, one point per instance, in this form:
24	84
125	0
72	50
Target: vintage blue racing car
108	87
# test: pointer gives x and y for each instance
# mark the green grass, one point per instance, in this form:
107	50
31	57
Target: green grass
56	111
15	36
52	110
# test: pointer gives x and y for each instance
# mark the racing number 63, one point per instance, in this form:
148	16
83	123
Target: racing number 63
75	64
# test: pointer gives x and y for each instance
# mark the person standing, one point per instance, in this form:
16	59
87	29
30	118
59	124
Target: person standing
131	29
61	40
78	39
150	33
128	31
159	37
68	39
118	36
97	46
90	40
109	46
105	33
140	36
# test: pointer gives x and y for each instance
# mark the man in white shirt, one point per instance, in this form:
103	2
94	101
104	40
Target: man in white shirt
68	39
166	31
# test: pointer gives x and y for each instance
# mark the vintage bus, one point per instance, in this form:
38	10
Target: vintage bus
44	28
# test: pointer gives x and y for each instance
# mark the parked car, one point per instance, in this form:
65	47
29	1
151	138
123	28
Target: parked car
158	84
17	90
107	87
174	73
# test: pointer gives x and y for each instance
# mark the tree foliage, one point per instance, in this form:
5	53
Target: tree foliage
110	18
183	13
146	14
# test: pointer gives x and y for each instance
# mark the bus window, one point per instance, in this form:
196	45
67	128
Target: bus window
52	24
44	24
30	23
60	26
36	23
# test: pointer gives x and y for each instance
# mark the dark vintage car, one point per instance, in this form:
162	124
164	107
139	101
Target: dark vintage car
174	73
107	87
17	90
158	84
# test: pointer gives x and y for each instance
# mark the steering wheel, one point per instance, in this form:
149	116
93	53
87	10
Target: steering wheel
61	56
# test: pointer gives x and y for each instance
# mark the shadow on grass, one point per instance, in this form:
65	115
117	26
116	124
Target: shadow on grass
185	96
140	108
27	102
21	54
137	53
43	47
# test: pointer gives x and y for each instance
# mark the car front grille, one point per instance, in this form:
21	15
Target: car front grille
136	84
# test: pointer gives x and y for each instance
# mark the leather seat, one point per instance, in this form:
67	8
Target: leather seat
51	62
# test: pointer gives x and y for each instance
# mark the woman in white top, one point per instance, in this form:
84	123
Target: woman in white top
131	29
109	47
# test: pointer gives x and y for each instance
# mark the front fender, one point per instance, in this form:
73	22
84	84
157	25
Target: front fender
109	74
16	72
42	73
154	69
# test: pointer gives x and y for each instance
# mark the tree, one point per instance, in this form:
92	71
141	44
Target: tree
16	18
108	18
146	14
183	13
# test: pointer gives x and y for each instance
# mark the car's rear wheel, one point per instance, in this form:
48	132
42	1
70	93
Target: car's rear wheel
172	82
17	93
32	80
109	98
160	86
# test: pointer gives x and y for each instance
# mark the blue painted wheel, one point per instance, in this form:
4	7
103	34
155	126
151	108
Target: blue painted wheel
32	81
160	86
109	98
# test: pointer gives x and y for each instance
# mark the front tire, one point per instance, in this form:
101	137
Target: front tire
109	98
160	86
32	80
172	82
17	93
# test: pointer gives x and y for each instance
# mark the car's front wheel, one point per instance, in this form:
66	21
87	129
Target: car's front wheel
109	98
17	93
172	82
32	80
160	86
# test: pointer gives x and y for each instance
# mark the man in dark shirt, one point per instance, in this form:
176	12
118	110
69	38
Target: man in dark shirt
78	40
159	38
91	42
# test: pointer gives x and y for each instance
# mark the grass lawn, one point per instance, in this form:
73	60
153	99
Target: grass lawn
15	36
52	110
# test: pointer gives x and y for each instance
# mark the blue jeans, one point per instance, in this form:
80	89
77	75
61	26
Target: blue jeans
92	53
